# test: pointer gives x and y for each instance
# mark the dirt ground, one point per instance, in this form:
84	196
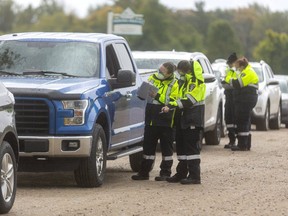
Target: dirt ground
233	183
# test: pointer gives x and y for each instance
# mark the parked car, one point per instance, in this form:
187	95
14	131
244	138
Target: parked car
9	150
283	81
149	61
267	112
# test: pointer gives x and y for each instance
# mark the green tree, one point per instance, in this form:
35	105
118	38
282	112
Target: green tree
221	40
274	50
6	15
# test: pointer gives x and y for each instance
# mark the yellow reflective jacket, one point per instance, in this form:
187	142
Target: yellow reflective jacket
230	74
191	98
167	89
247	78
166	96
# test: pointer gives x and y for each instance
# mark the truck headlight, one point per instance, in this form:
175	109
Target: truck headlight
79	107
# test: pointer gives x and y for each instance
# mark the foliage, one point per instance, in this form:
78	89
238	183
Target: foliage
216	33
274	49
221	39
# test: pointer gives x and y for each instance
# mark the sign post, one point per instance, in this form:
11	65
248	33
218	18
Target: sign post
126	23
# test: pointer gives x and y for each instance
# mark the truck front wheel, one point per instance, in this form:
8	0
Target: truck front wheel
91	170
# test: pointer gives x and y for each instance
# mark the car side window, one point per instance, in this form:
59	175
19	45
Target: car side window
122	53
112	63
206	69
271	75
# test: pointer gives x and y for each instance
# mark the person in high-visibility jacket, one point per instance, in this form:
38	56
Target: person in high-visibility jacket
189	121
229	100
245	96
159	124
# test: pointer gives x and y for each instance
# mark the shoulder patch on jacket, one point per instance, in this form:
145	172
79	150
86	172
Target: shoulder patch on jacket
191	87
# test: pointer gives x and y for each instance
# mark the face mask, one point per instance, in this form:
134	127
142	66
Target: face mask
183	78
160	76
182	73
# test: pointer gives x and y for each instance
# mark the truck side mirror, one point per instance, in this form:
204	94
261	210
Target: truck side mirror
125	78
209	78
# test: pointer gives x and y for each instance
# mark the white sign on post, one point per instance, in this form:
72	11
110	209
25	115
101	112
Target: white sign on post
126	23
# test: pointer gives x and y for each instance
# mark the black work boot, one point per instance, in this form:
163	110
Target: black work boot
190	180
181	172
175	178
165	169
242	144
238	148
161	178
145	168
194	173
232	138
229	145
139	176
249	142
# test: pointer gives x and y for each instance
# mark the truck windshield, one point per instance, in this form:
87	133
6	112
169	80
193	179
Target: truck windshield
71	58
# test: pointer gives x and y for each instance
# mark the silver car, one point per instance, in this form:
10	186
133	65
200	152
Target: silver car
9	150
267	112
149	61
283	81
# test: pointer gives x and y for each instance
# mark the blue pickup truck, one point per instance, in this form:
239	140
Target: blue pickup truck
75	101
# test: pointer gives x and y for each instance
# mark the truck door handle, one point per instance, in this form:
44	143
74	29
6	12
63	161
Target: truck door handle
128	95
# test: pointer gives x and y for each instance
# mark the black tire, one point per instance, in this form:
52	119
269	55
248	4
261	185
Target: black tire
91	170
213	137
263	124
276	123
8	177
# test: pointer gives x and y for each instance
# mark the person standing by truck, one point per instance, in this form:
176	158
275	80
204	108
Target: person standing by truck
159	124
246	96
229	100
189	121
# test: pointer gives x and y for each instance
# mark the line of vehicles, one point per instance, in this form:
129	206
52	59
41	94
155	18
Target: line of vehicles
73	99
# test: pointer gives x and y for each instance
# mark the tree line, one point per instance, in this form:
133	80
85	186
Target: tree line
253	31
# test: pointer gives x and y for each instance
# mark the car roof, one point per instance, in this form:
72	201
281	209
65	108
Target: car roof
281	76
167	54
89	37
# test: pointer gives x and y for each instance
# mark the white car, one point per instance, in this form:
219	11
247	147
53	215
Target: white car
267	112
9	150
149	61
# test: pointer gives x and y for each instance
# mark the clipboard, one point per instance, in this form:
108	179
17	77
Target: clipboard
145	89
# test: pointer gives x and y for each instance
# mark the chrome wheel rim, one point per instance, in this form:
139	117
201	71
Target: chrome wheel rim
99	157
7	177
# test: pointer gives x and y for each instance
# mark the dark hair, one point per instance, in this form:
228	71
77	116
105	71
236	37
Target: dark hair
242	62
170	67
184	66
232	58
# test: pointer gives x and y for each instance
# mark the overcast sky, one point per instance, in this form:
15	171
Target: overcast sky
80	6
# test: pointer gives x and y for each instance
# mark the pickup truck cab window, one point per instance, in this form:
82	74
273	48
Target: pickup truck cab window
72	58
123	56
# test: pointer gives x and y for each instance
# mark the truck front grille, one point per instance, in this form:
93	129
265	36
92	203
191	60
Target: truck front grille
32	117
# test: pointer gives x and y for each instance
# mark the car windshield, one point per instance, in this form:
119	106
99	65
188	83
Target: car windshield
259	72
73	58
143	63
